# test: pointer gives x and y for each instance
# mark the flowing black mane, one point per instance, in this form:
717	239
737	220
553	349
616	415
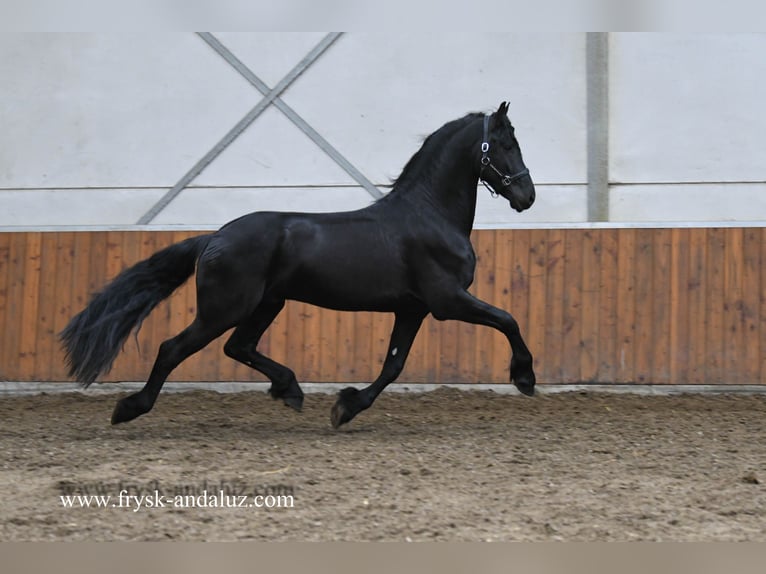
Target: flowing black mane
430	152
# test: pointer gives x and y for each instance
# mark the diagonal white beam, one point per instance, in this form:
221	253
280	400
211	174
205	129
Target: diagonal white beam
270	95
315	136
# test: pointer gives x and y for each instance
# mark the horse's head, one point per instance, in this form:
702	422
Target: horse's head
502	168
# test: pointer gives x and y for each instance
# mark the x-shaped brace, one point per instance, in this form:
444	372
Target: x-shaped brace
270	96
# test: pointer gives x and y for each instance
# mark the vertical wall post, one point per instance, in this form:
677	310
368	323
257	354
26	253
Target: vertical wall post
597	70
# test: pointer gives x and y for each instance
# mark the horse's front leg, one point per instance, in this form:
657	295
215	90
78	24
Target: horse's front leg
352	401
462	306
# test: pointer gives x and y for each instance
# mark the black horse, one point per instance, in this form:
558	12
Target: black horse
408	254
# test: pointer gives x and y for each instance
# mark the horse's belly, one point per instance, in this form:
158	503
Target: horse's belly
348	292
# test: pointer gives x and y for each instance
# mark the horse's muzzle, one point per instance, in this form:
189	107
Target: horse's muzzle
523	204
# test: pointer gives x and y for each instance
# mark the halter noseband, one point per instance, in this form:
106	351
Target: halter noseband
506	179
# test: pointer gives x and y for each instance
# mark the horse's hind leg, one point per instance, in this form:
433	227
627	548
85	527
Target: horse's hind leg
171	353
352	401
241	347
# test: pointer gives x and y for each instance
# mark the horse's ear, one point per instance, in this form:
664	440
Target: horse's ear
503	109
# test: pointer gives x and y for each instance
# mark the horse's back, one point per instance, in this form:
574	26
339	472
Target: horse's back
346	260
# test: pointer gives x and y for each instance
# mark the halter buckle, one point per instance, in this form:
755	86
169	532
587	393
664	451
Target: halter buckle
492	192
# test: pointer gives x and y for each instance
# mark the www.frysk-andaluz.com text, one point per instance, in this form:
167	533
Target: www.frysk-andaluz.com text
137	496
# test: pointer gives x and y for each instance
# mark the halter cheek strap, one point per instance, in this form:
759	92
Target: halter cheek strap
506	179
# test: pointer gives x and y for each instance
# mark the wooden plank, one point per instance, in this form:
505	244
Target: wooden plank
346	353
715	331
96	277
12	254
696	296
315	344
625	368
328	355
82	284
750	372
680	261
607	300
312	326
572	308
327	346
28	331
590	310
466	364
534	330
46	344
114	262
299	317
449	352
661	307
14	317
552	360
63	308
644	314
734	307
762	308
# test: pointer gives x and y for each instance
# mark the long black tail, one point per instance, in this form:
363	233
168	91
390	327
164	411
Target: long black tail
94	337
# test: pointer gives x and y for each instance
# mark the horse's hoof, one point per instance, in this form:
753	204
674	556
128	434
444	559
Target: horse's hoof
338	415
295	403
290	393
342	412
526	389
125	411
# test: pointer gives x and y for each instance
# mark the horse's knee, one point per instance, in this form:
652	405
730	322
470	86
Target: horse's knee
239	350
232	350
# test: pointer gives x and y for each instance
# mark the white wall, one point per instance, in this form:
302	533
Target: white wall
95	128
687	127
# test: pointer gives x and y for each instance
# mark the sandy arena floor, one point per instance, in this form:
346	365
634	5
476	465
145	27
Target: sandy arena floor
445	465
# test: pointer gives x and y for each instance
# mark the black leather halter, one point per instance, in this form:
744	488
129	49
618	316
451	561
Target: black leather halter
506	179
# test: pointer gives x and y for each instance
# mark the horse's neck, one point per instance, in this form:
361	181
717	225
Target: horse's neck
452	187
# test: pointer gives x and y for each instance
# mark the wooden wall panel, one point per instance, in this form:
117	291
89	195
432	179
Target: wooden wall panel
603	305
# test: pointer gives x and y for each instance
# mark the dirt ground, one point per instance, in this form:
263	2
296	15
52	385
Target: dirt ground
445	465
